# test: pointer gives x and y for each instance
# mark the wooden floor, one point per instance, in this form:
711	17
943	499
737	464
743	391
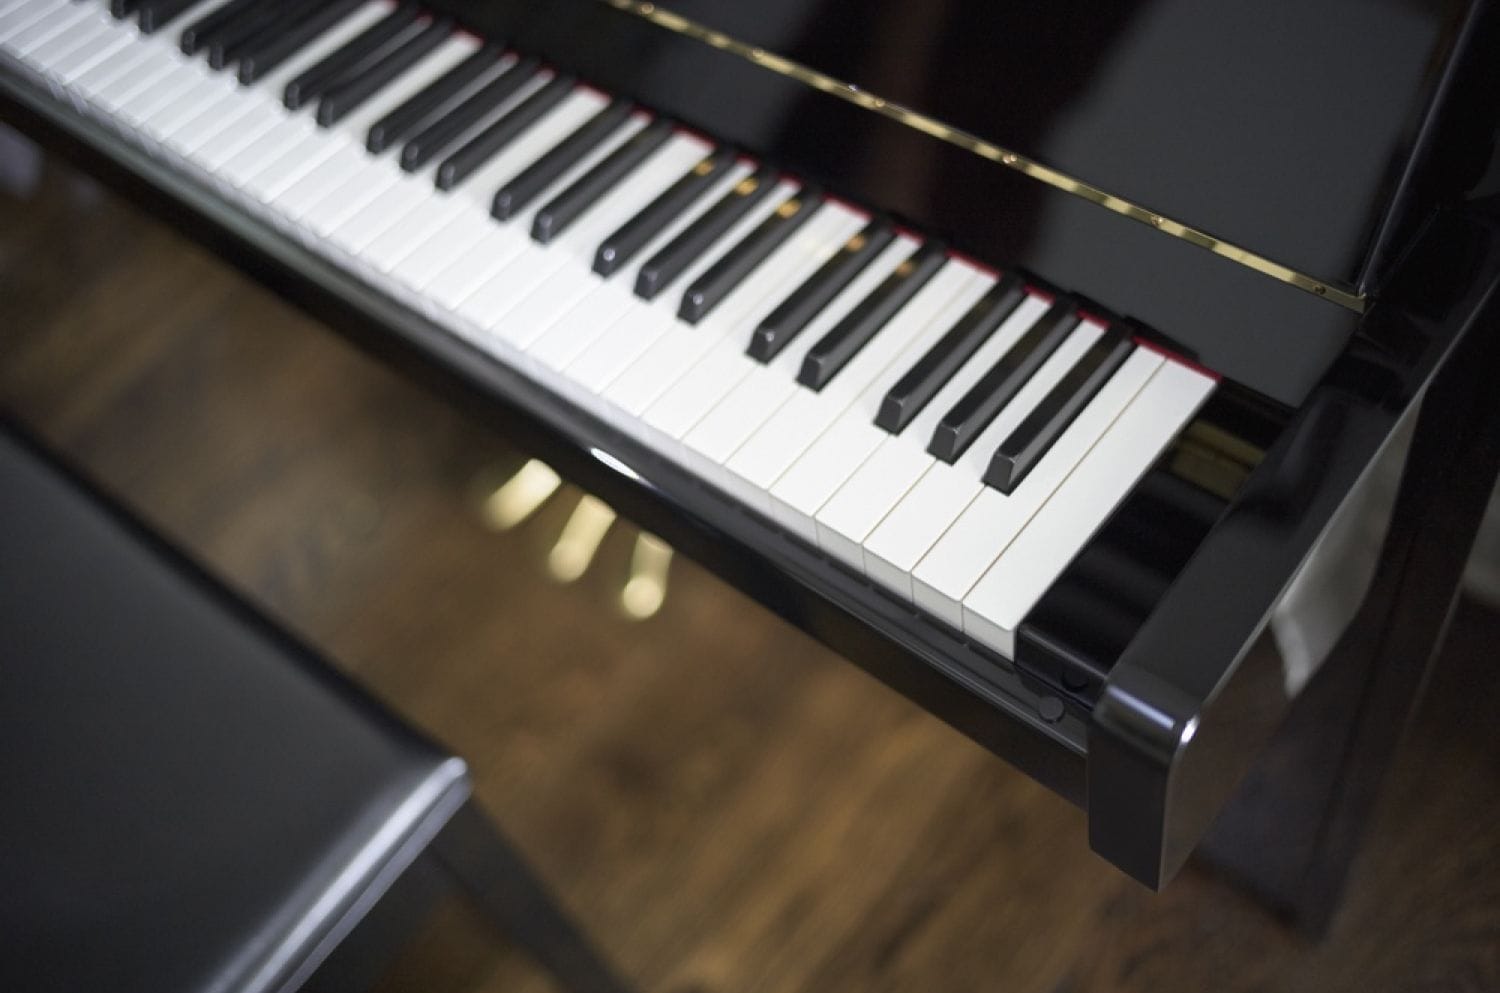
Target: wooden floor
726	805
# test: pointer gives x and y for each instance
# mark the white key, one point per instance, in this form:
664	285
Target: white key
670	358
18	17
417	193
617	350
861	501
912	527
757	465
410	238
40	30
585	324
89	31
998	603
445	248
220	126
107	45
210	91
826	464
320	145
539	284
988	525
766	387
165	89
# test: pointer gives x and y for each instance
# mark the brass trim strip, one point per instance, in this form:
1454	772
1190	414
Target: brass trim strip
781	65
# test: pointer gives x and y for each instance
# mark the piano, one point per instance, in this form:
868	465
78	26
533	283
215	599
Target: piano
1116	384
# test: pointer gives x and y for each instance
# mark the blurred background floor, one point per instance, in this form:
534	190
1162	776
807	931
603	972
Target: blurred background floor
728	806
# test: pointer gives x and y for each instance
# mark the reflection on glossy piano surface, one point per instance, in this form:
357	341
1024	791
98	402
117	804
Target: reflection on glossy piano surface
1085	374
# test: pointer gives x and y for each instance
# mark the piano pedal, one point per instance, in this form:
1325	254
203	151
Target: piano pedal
646	590
519	497
576	546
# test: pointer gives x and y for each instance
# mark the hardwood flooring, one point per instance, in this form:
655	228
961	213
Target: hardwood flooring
726	805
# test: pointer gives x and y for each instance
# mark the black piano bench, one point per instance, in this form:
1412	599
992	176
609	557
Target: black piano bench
191	800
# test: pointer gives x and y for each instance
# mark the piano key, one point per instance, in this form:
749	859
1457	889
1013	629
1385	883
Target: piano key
808	483
89	32
408	238
623	244
693	241
664	363
529	183
979	535
720	433
1031	439
417	112
123	8
24	15
836	348
43	29
645	322
1001	598
721	279
318	145
339	101
271	52
196	34
600	302
220	131
484	145
522	279
103	47
471	289
478	107
555	218
910	396
787	321
157	14
945	489
969	417
852	510
349	60
766	455
689	395
230	40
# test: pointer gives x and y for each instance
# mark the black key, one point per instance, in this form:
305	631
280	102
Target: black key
635	234
196	34
157	14
720	279
226	45
441	133
516	195
557	215
854	331
267	52
922	382
1031	439
793	314
338	102
997	387
405	120
123	8
487	143
349	59
697	238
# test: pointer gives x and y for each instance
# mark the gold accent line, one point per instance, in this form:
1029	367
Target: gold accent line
988	150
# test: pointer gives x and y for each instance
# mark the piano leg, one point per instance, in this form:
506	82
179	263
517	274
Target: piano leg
1292	832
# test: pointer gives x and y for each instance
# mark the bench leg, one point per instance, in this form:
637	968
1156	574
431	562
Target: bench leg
491	872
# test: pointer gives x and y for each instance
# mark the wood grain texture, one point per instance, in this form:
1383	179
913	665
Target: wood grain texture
726	805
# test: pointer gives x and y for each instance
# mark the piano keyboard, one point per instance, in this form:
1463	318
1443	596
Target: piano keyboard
951	433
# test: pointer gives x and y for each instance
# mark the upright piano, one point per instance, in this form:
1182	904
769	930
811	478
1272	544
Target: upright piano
1113	380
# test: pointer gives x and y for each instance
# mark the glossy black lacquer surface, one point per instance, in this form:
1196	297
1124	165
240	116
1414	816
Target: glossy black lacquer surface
1114	640
1287	129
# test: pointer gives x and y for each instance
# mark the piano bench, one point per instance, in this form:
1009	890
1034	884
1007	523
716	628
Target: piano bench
190	799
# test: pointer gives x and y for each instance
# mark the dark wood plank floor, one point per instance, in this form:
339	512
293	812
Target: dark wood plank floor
728	806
